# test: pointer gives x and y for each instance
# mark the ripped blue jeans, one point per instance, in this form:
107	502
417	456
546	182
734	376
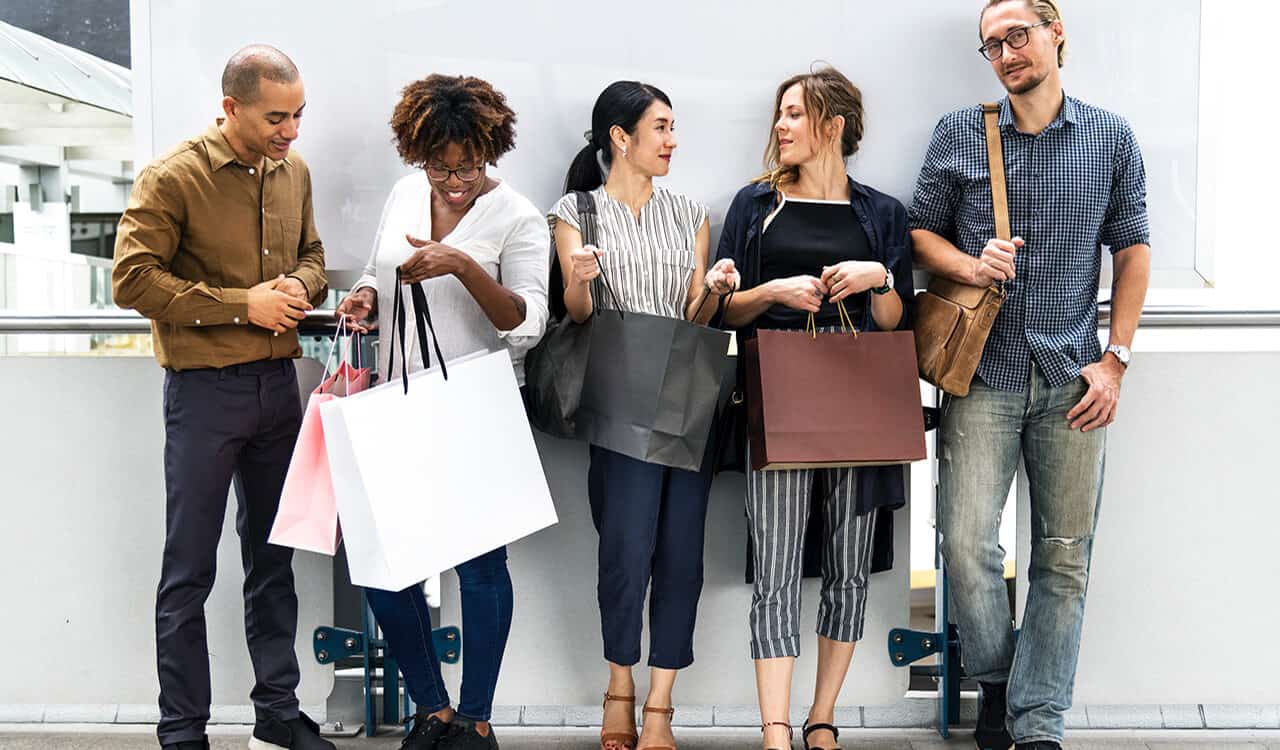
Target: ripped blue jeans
981	440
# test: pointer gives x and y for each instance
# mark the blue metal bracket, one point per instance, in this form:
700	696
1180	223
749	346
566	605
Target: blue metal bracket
909	646
448	643
334	644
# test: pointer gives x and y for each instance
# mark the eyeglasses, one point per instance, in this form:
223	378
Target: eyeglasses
1016	39
466	174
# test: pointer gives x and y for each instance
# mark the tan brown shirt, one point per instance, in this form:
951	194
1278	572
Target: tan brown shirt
200	229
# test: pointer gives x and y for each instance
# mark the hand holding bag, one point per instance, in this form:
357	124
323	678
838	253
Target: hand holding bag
954	320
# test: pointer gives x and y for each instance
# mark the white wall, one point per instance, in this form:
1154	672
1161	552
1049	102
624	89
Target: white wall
719	61
81	535
1237	184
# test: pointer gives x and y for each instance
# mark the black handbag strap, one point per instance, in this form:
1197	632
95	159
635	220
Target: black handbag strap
722	307
422	320
588	223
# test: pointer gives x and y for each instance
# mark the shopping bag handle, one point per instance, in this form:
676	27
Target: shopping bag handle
587	221
354	335
422	318
333	342
354	338
722	304
846	322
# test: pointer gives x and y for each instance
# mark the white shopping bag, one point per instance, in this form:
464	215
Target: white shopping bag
431	478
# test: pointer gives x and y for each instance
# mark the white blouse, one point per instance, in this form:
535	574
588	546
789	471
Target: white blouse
649	261
503	231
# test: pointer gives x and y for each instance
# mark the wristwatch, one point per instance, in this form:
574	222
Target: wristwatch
1122	353
888	283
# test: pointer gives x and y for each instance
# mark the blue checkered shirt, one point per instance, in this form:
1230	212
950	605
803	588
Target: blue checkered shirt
1074	188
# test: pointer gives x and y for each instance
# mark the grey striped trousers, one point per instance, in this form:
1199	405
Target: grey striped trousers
778	505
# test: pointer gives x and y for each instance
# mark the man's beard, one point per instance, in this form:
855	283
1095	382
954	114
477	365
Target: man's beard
1027	87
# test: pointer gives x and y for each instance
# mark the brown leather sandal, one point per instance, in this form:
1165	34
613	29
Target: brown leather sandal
791	733
626	739
670	712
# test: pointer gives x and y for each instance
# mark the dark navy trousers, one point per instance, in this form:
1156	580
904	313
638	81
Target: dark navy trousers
652	522
236	423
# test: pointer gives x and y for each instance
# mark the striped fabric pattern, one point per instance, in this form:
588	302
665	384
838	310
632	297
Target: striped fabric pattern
778	506
649	261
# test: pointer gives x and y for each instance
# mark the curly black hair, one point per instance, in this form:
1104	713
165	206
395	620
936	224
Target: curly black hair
439	110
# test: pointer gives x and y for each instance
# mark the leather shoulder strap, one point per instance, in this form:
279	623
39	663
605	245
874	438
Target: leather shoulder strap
995	161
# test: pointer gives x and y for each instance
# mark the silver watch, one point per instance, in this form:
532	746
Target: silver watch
1122	353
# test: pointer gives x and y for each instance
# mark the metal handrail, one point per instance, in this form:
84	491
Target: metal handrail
123	321
1192	317
320	322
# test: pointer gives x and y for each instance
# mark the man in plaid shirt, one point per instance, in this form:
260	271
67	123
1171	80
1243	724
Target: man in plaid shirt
1045	390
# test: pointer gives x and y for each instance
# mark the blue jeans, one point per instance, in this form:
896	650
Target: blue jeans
486	621
981	439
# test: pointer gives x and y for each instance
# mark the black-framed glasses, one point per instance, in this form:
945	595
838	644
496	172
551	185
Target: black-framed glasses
1016	39
466	174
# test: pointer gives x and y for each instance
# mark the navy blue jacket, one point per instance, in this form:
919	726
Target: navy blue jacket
884	219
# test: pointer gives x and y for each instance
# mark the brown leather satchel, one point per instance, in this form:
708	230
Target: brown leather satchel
953	320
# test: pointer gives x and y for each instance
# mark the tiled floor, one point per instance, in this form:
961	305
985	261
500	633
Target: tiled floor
45	737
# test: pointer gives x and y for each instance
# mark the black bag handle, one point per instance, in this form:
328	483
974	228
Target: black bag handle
588	220
422	317
722	307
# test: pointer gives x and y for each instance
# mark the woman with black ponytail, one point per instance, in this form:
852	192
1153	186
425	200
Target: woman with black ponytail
653	245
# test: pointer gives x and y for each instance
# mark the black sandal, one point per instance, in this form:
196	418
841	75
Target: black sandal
818	728
791	733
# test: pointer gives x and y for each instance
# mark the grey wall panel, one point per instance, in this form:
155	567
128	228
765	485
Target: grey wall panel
81	534
1184	565
720	62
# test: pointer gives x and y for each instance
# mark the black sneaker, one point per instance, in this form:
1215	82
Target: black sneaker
200	744
295	734
427	732
991	733
1039	745
464	736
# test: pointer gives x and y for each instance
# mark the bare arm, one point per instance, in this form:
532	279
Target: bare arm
1129	291
698	292
887	310
1097	408
578	269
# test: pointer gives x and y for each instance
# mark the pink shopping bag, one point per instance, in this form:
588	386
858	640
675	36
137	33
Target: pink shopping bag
307	518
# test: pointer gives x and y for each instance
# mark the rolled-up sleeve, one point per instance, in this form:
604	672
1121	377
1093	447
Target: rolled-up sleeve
147	240
933	206
522	268
1126	223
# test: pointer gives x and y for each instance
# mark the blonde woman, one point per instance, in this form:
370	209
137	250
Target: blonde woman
806	236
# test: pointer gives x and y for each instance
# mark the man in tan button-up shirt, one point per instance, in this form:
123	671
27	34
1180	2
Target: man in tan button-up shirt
219	248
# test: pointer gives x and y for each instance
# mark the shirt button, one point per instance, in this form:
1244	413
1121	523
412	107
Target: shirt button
266	251
235	320
197	321
252	170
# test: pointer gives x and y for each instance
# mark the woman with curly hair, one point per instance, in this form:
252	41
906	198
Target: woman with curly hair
480	250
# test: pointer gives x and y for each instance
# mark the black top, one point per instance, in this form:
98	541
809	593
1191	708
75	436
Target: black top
884	220
803	238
